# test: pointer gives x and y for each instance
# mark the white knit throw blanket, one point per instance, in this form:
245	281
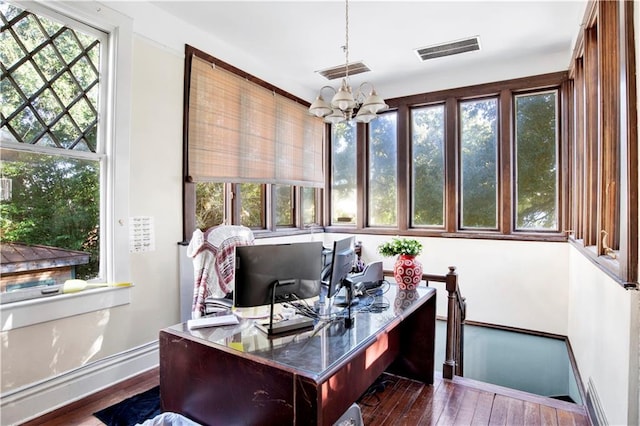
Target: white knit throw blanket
213	253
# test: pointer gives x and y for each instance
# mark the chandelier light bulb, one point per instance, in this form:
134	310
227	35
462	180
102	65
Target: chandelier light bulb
320	107
375	103
343	100
365	115
335	117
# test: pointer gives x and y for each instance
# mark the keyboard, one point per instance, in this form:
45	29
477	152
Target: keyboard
219	320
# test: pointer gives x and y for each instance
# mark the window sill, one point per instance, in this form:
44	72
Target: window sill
425	232
606	264
34	311
285	232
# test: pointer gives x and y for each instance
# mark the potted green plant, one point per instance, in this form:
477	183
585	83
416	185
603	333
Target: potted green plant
407	270
400	246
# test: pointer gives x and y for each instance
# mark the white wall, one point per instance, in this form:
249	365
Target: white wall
513	283
40	352
602	325
156	178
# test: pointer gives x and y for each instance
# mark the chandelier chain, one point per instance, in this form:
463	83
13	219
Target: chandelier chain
346	41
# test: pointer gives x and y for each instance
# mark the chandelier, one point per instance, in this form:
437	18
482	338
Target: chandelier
344	103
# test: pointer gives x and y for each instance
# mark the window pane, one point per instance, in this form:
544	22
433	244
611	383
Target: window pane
478	151
252	205
59	113
536	161
383	170
343	173
54	202
309	206
209	204
427	134
284	205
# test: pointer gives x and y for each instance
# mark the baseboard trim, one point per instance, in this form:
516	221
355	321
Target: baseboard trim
36	399
594	406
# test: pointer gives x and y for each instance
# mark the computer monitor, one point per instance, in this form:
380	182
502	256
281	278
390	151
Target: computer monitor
267	274
342	261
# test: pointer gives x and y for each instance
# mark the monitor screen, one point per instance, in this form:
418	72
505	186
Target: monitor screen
341	264
292	269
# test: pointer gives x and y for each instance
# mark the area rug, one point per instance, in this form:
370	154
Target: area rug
131	411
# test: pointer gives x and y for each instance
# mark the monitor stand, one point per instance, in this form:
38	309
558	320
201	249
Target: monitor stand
287	326
349	302
342	301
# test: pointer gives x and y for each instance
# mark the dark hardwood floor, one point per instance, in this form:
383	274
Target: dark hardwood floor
392	400
461	401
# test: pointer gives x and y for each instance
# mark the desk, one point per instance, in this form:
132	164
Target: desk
237	375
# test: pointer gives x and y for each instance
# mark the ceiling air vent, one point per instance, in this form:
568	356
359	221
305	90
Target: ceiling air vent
449	48
340	71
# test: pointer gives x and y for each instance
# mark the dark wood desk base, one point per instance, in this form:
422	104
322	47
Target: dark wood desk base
212	384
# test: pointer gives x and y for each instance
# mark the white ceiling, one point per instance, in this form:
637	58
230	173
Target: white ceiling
285	42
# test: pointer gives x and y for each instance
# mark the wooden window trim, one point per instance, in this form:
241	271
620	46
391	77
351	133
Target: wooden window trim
506	128
451	165
605	138
609	135
629	137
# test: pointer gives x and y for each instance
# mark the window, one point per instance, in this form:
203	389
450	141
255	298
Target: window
603	206
252	205
383	170
58	140
428	174
478	164
246	204
455	163
284	206
210	204
536	148
249	150
309	209
343	174
53	153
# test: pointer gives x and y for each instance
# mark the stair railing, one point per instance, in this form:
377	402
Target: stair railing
456	313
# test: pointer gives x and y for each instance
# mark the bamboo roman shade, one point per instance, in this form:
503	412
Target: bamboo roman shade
240	131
